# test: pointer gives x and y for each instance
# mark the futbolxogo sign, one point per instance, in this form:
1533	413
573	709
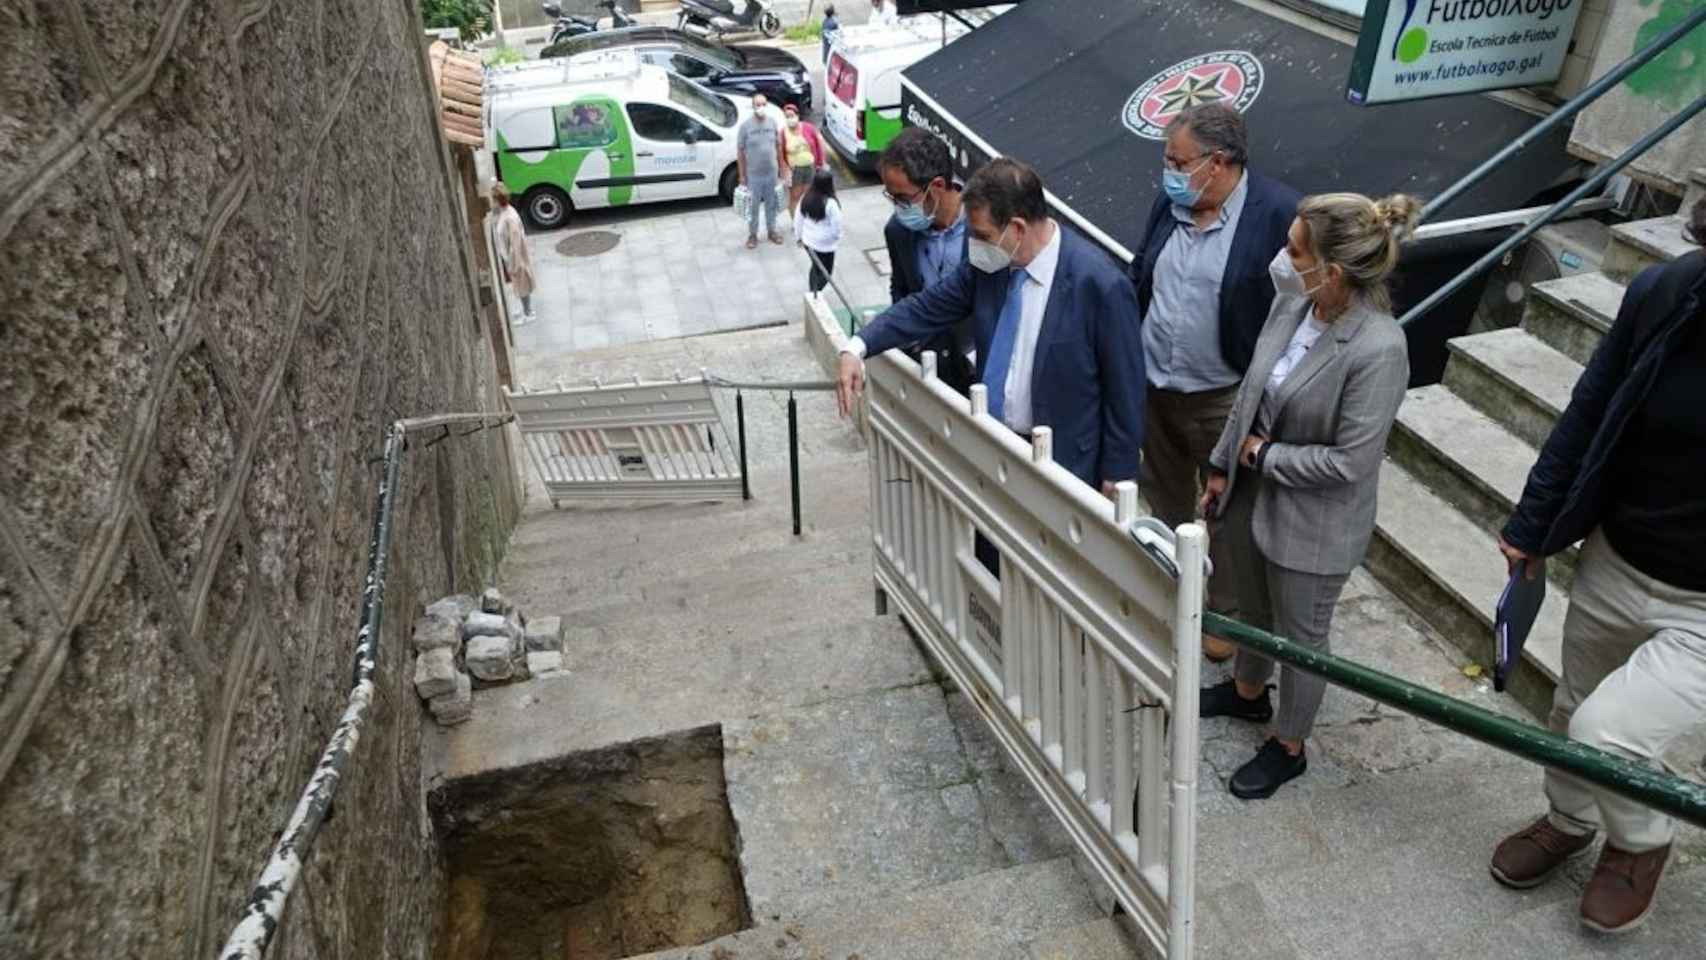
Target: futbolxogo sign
1411	49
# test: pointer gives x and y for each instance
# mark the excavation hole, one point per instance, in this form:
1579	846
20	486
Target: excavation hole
599	855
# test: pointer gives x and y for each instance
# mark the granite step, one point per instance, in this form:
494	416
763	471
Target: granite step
1467	459
1513	377
1573	314
1028	912
1449	570
1640	244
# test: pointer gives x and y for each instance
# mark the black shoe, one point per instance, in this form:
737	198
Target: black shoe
1273	766
1222	700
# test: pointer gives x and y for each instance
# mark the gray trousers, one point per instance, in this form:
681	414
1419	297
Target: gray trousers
1290	603
1634	680
763	195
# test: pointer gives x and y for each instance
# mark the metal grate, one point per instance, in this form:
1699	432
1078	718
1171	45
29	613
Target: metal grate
588	243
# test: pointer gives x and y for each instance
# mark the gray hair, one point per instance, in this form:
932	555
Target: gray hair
1217	127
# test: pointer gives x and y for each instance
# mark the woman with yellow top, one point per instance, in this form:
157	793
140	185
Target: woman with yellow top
804	150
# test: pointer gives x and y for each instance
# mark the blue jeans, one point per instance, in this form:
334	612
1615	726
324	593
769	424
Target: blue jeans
763	195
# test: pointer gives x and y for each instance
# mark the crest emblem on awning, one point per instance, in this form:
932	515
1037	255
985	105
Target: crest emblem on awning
1233	77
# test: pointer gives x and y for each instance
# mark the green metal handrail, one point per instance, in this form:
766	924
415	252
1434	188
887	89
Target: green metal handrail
1661	791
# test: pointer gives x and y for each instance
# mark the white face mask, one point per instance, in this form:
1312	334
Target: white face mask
1287	279
989	257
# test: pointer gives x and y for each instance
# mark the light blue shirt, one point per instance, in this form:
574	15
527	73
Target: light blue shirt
1181	331
941	250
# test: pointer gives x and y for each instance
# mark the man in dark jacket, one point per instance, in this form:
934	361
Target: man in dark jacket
926	236
1625	468
1202	284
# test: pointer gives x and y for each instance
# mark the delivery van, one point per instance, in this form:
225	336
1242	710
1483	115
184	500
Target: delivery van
606	130
862	87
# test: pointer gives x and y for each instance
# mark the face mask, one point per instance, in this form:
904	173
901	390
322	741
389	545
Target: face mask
914	217
793	122
989	257
1177	185
1287	279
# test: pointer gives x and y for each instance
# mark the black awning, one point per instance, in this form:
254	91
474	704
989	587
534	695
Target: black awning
1079	88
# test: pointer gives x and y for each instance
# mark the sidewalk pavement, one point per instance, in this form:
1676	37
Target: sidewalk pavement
682	269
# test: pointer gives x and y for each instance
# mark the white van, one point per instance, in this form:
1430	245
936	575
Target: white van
606	130
862	86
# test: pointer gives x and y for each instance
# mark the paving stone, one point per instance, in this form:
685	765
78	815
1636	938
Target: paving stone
434	632
491	658
481	624
456	706
453	609
493	602
435	672
543	663
545	634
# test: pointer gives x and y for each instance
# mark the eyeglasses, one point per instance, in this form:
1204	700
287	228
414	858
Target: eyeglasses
911	201
1179	165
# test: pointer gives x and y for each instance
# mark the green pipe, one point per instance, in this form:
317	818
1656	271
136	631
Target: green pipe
1661	791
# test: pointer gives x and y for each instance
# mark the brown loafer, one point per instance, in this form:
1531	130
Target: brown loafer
1530	856
1620	894
1216	649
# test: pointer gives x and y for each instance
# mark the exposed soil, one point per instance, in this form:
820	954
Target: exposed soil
594	856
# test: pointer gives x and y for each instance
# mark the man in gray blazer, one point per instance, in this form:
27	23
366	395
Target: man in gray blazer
1297	466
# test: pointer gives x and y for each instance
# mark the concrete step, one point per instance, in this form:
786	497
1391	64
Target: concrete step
1573	314
1638	245
1466	458
1449	570
1027	912
1513	377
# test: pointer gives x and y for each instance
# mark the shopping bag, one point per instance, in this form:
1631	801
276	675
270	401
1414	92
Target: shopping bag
743	202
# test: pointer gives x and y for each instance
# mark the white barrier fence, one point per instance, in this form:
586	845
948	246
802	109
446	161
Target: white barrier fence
1082	651
638	440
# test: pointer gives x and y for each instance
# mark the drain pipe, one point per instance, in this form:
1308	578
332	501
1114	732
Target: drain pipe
264	911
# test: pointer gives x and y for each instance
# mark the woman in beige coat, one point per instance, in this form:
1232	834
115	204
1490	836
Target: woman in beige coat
512	251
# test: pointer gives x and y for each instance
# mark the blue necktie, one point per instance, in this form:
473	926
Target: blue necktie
1001	350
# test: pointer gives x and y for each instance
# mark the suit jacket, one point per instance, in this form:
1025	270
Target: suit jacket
905	279
1321	465
1087	383
1246	292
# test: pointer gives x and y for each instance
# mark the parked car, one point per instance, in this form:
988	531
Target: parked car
606	130
733	69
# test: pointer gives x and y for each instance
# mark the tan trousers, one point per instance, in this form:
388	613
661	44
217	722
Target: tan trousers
1179	432
1634	680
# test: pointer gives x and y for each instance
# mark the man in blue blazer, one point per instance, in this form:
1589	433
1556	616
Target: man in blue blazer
926	237
1054	321
1201	274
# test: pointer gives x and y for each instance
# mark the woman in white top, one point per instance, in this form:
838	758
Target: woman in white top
818	227
884	12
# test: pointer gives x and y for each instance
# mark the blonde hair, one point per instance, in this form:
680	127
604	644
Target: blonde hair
1361	237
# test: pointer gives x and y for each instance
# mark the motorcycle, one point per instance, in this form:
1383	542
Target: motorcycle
705	17
573	26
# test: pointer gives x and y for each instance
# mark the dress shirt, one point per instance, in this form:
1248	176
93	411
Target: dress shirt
1039	281
941	250
1181	332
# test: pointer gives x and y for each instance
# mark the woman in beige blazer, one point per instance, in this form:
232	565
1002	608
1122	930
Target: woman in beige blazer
1295	471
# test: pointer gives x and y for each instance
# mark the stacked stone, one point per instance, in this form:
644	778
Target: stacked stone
463	642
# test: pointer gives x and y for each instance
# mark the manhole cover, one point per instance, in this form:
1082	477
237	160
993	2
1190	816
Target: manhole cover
588	243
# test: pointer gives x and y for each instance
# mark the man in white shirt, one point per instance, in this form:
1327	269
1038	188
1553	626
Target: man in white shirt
1054	320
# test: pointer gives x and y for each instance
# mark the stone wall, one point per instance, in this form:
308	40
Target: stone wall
229	254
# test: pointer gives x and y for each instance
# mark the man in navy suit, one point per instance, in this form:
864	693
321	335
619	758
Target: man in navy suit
926	236
1054	321
1202	282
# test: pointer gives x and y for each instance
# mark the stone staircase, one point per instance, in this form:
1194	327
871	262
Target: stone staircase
1461	450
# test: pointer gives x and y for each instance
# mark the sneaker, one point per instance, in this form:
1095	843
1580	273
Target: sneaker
1529	857
1619	896
1222	700
1272	766
528	318
752	243
775	238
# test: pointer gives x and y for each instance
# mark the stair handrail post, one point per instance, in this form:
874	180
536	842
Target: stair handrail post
794	456
740	435
1568	109
1592	184
1191	546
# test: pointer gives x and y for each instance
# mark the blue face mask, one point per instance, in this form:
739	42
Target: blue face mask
913	217
1177	185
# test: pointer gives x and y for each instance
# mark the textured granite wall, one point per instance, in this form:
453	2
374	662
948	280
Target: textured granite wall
229	254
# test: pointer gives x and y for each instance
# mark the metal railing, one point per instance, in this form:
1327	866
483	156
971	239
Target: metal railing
1593	185
264	911
1076	656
